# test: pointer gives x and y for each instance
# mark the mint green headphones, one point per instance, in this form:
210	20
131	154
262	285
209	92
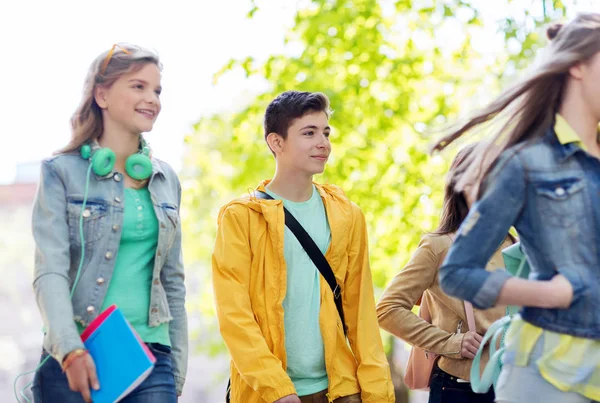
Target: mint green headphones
138	165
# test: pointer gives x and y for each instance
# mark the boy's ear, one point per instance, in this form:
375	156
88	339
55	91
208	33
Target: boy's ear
275	142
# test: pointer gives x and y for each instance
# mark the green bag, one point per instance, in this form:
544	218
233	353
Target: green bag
516	264
515	261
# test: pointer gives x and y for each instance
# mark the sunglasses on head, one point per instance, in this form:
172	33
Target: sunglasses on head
109	56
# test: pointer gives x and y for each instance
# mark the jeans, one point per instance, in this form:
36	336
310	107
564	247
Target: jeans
526	384
50	384
445	388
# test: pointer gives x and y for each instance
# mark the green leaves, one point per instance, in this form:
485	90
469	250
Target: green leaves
394	71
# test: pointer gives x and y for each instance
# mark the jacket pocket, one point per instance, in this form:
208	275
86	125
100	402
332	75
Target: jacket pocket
561	202
94	219
562	211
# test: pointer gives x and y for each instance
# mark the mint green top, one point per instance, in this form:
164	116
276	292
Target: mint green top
303	341
131	281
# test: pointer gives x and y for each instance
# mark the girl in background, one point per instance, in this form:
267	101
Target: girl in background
448	336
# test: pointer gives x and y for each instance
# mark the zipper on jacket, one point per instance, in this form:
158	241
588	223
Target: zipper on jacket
458	331
329	399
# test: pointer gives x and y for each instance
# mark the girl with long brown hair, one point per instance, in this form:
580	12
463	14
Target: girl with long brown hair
107	232
544	181
448	335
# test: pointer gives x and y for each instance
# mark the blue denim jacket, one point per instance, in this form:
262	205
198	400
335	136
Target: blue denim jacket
551	194
56	213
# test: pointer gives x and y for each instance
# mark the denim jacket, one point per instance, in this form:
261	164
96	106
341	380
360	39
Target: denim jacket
550	192
56	214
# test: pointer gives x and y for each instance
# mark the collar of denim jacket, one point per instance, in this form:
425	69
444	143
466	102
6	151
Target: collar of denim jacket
562	150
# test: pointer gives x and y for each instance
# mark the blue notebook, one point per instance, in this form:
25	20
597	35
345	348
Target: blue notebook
122	359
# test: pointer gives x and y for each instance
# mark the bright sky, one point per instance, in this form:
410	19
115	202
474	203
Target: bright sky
46	48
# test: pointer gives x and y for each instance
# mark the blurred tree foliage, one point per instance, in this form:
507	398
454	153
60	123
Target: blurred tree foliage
392	70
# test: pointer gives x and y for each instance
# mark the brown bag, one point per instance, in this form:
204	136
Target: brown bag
420	362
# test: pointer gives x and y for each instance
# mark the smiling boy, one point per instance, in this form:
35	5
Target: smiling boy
277	313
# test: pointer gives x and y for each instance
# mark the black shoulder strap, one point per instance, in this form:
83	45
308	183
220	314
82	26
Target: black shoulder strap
317	258
314	253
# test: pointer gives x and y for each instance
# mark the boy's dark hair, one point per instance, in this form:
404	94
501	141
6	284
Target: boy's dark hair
291	105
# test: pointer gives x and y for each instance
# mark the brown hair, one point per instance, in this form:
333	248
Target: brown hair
108	67
289	106
527	109
455	208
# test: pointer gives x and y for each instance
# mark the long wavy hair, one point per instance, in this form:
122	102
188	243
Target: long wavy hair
108	67
525	111
455	207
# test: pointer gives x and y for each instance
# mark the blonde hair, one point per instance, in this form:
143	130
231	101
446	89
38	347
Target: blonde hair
527	109
108	67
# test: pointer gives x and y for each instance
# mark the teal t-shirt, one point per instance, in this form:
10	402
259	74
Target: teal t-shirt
131	281
303	341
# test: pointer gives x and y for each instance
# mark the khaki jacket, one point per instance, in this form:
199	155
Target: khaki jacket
249	278
449	324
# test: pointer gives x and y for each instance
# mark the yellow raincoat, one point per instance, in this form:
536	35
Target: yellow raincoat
249	279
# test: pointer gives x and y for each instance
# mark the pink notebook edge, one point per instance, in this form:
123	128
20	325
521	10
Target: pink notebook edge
95	324
144	345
